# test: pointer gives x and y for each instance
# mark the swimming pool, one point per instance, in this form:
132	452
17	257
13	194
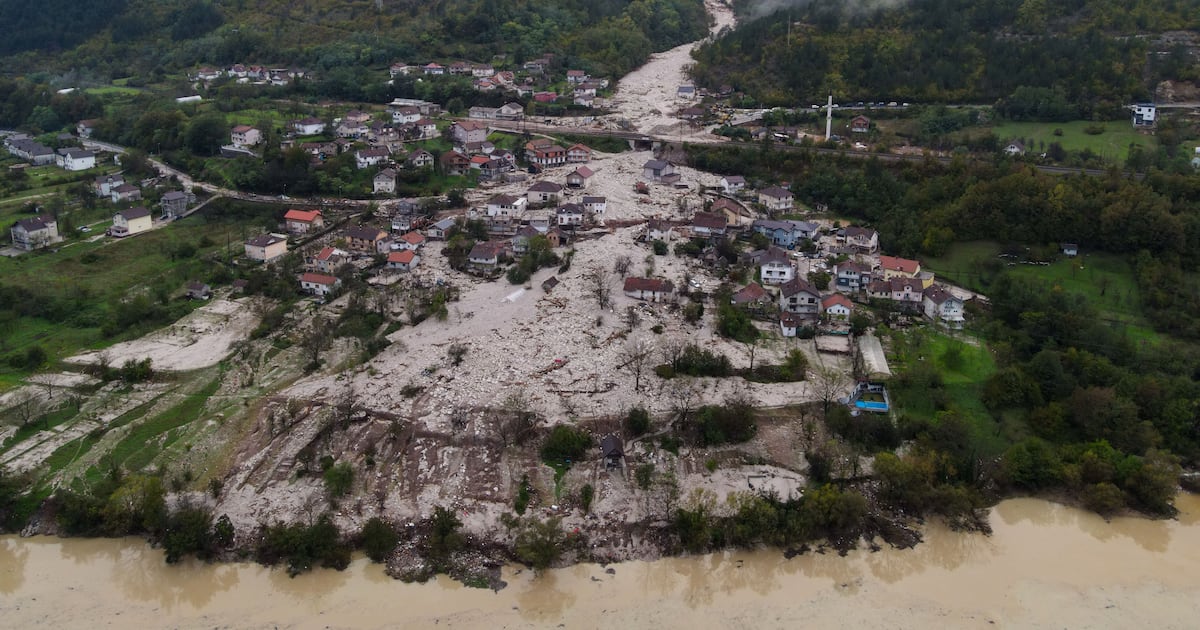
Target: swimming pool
871	405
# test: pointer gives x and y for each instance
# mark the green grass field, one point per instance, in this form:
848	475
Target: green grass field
1112	145
965	364
148	439
114	90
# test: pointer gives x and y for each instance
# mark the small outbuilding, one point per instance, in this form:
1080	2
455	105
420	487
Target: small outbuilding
612	450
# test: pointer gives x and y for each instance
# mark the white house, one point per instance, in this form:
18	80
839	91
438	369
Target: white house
570	215
797	296
125	192
657	170
775	267
308	126
837	307
733	183
245	136
544	192
775	199
319	284
506	206
595	206
648	289
303	221
76	159
370	157
130	222
940	304
659	230
266	248
35	232
1144	114
105	183
384	182
404	260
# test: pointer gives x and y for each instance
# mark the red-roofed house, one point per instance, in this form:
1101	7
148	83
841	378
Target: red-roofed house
303	221
895	267
648	289
329	260
403	260
837	306
580	177
319	283
411	241
579	153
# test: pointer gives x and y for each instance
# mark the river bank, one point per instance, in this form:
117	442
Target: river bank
1045	565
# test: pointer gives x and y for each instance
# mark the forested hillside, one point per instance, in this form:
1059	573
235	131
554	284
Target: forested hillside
1092	53
117	38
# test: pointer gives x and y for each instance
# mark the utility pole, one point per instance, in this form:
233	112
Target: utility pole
829	118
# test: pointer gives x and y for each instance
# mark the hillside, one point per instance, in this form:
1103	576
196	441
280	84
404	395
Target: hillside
119	38
1092	54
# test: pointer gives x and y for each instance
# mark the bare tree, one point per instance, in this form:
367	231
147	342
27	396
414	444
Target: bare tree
345	405
684	394
621	265
635	355
315	339
27	406
672	349
599	285
828	383
632	318
515	420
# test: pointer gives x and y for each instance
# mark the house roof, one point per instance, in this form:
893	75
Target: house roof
125	188
35	223
658	225
734	179
752	292
413	238
587	200
302	216
403	257
373	152
648	284
570	208
580	147
851	267
837	299
444	224
365	233
903	265
611	446
797	285
242	129
263	240
134	213
938	295
859	232
583	172
775	192
546	186
327	252
318	278
502	200
709	220
656	165
470	125
173	196
773	255
487	250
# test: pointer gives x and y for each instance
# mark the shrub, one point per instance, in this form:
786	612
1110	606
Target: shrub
733	422
660	248
302	546
522	500
644	475
586	494
565	444
378	539
637	421
339	479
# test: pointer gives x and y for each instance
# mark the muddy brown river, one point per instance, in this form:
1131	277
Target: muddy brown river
1045	566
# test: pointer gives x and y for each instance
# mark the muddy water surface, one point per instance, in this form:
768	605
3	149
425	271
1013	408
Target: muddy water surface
1045	566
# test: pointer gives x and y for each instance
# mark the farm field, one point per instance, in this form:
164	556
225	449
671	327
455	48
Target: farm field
1113	144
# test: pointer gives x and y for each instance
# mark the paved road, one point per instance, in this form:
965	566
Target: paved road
166	170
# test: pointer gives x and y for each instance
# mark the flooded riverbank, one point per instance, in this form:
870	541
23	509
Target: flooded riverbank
1045	565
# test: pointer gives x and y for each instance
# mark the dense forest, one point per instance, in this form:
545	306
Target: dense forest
1081	49
120	38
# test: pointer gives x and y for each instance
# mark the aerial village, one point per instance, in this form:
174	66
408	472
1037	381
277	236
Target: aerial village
566	285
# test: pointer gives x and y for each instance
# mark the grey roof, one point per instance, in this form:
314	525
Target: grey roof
35	223
173	195
134	213
545	186
656	165
264	240
776	192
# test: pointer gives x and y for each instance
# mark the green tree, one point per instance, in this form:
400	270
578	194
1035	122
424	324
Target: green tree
378	539
540	543
339	479
206	133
